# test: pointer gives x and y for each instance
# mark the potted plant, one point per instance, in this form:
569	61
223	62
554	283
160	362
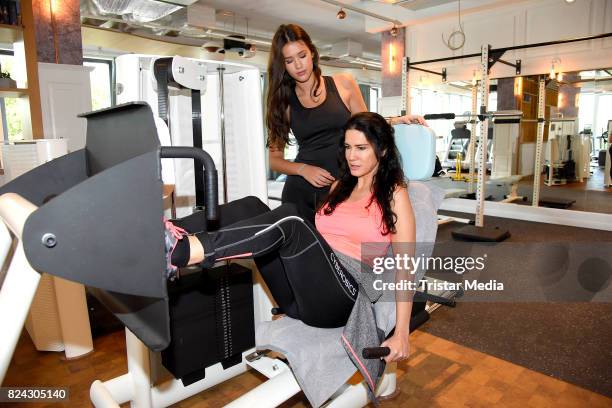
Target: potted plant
6	81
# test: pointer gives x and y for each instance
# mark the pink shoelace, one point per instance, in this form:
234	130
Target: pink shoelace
177	232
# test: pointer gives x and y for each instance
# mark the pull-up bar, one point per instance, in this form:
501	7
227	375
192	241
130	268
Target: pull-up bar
516	47
434	116
495	54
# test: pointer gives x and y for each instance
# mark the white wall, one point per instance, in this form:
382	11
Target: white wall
65	92
517	24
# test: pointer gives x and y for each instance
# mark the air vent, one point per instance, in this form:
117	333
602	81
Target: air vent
346	48
420	4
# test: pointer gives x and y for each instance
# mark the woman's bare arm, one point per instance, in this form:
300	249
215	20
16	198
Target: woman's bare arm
403	242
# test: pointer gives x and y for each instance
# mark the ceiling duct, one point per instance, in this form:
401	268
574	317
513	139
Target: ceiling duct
182	27
140	11
200	15
416	5
346	48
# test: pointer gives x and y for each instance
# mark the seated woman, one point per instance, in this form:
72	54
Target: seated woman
302	265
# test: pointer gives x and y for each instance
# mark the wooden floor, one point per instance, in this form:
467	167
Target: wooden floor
595	182
437	374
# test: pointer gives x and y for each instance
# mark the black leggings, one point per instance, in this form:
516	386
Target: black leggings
302	272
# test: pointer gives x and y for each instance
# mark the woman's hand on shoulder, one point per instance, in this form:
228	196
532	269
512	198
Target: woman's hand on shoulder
409	120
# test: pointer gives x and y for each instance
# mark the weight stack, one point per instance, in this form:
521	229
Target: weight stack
211	321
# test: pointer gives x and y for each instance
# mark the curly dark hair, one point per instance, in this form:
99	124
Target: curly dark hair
388	177
281	84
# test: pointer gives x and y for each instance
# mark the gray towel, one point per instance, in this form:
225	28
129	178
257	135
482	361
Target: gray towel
362	329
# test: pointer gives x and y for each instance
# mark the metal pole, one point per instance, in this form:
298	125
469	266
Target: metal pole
222	127
540	141
405	87
482	141
472	147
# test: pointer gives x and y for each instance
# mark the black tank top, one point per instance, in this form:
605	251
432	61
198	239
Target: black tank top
319	129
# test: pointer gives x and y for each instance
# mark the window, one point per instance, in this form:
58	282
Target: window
374	95
586	111
603	113
101	82
12	109
594	112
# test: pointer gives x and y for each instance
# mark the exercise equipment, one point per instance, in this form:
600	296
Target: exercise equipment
123	151
567	154
501	155
115	246
459	146
211	105
76	187
457	176
58	318
478	232
488	58
537	171
229	103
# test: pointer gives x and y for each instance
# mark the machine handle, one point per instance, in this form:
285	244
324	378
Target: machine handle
210	173
375	352
506	121
433	116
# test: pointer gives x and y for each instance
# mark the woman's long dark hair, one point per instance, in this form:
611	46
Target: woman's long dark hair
388	177
280	83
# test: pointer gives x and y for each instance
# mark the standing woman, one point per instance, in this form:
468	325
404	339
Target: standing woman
315	108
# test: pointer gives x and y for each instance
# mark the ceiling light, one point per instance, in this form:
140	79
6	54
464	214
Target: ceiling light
341	15
393	31
569	1
554	65
212	46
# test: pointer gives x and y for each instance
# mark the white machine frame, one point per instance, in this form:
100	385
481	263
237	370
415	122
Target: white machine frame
135	386
58	319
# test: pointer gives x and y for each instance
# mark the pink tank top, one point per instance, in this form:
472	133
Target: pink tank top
351	225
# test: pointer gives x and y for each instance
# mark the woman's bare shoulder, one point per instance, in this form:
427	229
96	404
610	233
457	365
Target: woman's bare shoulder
344	79
400	193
